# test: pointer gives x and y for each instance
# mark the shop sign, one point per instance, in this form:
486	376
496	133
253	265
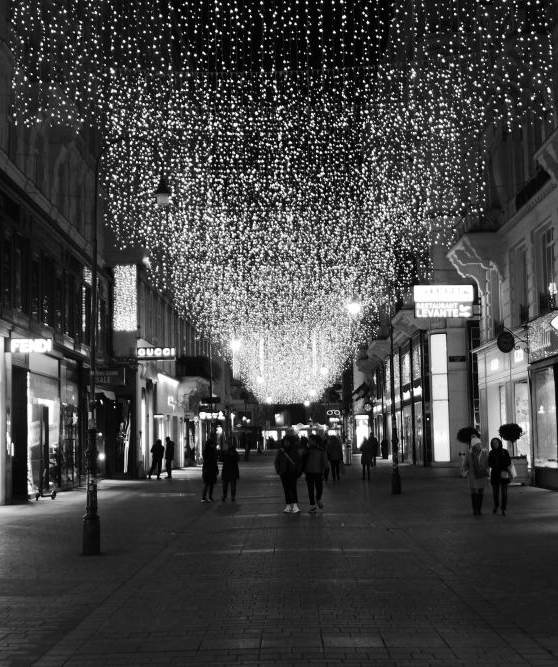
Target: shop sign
443	301
112	376
28	345
156	353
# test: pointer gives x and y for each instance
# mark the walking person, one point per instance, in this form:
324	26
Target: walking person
314	467
210	469
476	468
499	462
156	459
334	455
230	471
374	447
365	458
169	456
288	467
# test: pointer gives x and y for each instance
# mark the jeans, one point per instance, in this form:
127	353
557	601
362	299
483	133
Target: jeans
289	487
226	483
496	486
314	482
156	466
168	466
365	468
335	466
208	488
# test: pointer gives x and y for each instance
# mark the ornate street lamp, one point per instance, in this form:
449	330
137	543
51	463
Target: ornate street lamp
91	521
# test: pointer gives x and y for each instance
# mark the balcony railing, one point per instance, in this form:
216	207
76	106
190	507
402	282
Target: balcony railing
546	302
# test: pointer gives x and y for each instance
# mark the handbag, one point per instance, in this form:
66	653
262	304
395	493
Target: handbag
509	473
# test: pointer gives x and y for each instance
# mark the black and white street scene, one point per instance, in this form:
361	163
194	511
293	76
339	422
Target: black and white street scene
278	333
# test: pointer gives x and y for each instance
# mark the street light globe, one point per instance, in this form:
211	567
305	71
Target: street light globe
269	400
353	307
306	403
324	370
236	344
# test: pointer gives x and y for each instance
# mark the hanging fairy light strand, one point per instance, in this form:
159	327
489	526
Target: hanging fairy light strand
312	148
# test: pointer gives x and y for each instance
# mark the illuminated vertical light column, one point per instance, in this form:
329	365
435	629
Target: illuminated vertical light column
314	355
439	397
125	316
262	357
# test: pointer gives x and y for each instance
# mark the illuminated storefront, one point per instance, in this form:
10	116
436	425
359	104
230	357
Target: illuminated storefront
543	373
43	411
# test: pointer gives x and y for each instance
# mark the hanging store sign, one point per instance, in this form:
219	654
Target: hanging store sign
112	376
156	353
28	345
443	301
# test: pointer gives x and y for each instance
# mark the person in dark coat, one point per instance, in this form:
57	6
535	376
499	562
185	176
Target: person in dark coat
335	455
210	469
230	472
374	448
156	459
288	467
365	457
499	462
315	465
169	456
384	448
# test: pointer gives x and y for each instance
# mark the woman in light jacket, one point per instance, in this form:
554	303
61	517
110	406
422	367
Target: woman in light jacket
476	468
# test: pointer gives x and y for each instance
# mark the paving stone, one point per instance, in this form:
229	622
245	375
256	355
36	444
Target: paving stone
372	580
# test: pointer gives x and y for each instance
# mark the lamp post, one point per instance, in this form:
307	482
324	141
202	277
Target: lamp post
91	523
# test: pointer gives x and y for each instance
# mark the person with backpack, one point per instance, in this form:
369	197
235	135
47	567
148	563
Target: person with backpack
288	467
230	472
499	461
334	451
315	465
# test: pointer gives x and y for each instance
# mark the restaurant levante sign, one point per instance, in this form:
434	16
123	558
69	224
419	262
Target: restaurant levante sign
443	301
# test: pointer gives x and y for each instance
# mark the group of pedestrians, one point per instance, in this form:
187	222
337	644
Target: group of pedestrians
230	472
314	458
158	452
480	466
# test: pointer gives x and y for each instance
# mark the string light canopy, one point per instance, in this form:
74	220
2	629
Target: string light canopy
314	149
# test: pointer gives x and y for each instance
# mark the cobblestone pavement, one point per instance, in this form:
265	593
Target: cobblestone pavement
372	579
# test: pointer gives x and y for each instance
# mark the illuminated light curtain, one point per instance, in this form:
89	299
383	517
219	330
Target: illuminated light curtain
310	157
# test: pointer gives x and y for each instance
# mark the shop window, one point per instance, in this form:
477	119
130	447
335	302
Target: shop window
70	305
546	277
59	302
48	291
521	412
21	264
518	285
35	287
546	445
